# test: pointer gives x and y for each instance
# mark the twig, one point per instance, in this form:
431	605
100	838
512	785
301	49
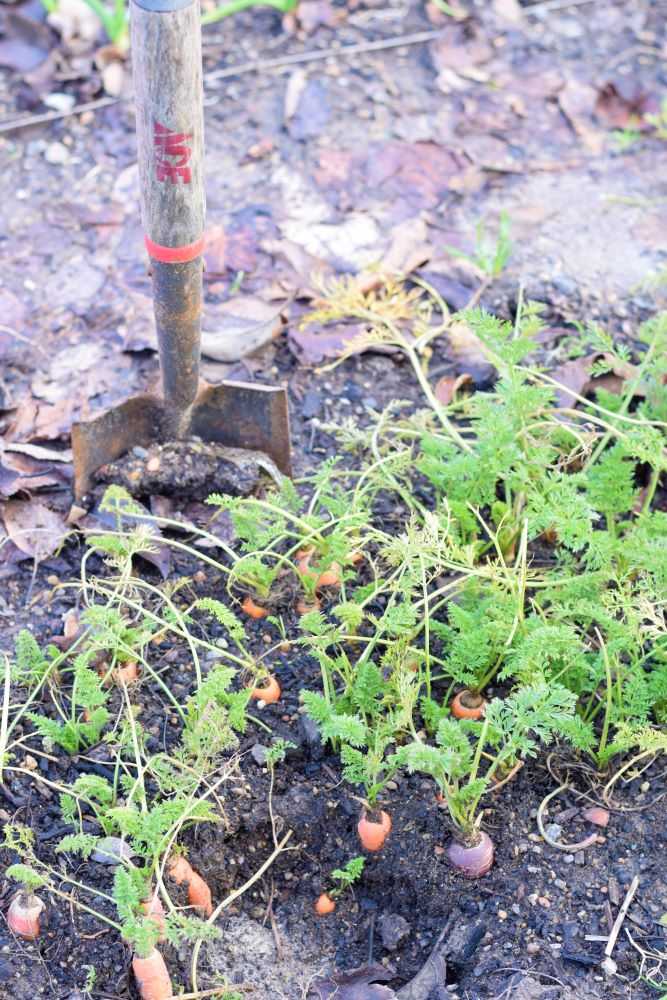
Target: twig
259	65
4	721
547	5
228	900
609	965
54	116
216	992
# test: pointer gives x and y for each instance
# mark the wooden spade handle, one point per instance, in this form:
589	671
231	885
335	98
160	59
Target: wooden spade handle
167	65
166	59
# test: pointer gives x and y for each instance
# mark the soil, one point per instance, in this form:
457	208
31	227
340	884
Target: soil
371	143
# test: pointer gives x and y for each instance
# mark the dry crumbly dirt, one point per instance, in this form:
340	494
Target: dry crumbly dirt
369	144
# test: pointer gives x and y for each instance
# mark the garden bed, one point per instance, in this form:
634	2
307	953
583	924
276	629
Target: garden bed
370	160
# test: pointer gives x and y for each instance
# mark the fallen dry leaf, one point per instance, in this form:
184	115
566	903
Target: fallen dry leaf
508	10
459	48
575	375
20	56
416	172
33	528
42	421
312	346
312	111
577	102
137	327
124	517
470	355
22	472
360	984
622	104
242	326
110	61
313	14
307	269
26	43
215	244
351	245
78	25
334	168
408	249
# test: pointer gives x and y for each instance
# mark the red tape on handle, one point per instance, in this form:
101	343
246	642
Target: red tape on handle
174	255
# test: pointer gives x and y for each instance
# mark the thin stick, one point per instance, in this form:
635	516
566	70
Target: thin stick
538	8
258	66
5	714
54	116
609	965
316	54
230	899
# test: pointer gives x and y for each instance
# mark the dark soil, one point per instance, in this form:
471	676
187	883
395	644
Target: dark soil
588	228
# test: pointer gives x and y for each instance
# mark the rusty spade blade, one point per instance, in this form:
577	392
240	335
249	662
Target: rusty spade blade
236	414
166	46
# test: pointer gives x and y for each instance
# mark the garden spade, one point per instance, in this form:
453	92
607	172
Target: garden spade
166	56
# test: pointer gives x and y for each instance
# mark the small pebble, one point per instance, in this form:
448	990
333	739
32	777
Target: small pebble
533	947
57	154
502	914
59	102
153	464
111	851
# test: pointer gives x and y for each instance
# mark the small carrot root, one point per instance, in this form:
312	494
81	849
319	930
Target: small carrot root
373	833
331	577
127	673
474	860
467	705
154	910
23	915
304	608
324	905
252	609
199	895
269	692
597	815
179	869
152	976
199	892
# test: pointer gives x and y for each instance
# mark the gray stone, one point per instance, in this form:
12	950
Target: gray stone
111	851
393	928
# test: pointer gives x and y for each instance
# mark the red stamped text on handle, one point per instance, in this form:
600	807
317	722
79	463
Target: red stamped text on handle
172	154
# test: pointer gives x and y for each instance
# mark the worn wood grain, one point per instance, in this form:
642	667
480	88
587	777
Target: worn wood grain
167	65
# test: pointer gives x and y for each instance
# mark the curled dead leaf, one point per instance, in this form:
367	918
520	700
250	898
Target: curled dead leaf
575	377
470	353
33	528
359	984
447	387
242	326
577	102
